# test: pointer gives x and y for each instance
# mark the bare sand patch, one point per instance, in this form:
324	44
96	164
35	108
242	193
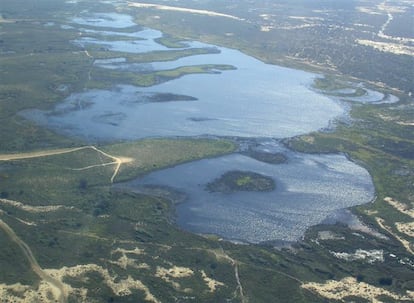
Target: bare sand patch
124	261
18	293
2	20
266	28
367	10
402	227
211	283
388	47
308	139
339	290
182	9
25	222
122	287
174	272
369	256
52	287
394	119
371	212
329	235
404	123
404	242
406	228
37	154
401	207
125	159
34	209
135	251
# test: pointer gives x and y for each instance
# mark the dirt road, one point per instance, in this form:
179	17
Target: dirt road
117	161
58	289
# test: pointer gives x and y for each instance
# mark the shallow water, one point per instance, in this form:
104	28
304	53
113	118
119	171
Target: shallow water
309	188
113	20
255	100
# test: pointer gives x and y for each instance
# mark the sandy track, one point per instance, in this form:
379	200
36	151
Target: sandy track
58	289
117	161
38	154
182	9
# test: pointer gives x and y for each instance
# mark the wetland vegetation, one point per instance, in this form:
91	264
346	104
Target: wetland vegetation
106	243
235	181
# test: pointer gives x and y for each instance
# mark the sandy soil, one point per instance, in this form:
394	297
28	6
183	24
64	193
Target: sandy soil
404	242
401	207
388	47
369	256
211	283
122	287
339	290
394	119
117	161
308	139
175	272
37	154
406	228
329	235
124	261
182	9
2	20
405	123
49	286
33	209
18	293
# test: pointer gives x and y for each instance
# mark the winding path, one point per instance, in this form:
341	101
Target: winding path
58	288
117	161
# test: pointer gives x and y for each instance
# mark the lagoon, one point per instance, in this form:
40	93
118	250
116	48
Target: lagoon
253	100
309	189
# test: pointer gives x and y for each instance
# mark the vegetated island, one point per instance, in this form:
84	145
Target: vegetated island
234	181
271	158
168	97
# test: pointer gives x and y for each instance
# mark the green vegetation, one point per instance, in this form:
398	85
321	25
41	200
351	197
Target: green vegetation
154	56
91	222
152	154
152	78
234	181
38	70
167	97
333	86
272	158
65	177
171	42
308	50
329	83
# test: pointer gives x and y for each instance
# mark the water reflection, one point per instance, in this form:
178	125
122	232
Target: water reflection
309	188
253	100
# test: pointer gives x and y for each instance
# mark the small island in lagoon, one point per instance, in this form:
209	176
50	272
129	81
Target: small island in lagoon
234	181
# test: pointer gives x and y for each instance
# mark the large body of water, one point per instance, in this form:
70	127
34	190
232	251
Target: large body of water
309	188
254	100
